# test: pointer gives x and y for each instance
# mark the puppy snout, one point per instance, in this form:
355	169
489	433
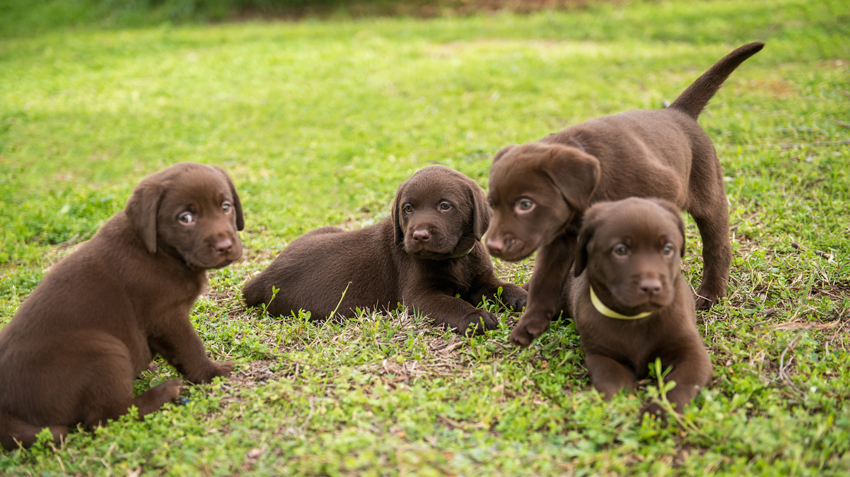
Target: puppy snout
421	235
495	245
223	246
650	286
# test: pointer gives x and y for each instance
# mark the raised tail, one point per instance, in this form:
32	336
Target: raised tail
697	95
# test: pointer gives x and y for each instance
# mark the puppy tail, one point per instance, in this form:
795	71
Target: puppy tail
15	432
697	95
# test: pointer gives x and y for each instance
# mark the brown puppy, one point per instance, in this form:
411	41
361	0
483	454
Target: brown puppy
425	253
631	303
539	190
72	351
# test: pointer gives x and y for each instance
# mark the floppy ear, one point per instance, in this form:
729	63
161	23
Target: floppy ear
585	236
502	153
574	172
480	210
398	233
141	211
581	250
677	214
240	218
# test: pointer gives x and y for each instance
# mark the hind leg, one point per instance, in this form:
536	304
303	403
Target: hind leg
15	432
716	255
112	398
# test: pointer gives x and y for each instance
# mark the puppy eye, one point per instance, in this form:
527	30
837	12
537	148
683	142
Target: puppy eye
186	218
525	205
226	207
621	250
407	208
490	202
445	205
668	249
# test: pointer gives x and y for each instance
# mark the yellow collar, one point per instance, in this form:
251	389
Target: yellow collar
601	308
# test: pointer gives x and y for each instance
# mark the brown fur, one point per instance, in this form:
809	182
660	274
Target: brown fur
72	351
646	278
539	190
421	256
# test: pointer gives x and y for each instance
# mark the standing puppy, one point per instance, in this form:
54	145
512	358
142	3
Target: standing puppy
428	251
631	303
539	190
72	351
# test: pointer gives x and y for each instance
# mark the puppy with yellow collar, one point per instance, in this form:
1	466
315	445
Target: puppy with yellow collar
631	303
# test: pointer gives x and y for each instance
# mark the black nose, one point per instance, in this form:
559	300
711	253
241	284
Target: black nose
421	235
223	246
650	286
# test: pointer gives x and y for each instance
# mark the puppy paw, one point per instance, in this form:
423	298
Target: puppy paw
223	368
514	297
706	298
654	410
170	389
477	322
527	330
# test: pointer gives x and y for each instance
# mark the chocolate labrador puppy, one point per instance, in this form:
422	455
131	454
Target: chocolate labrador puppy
539	190
423	255
72	351
631	303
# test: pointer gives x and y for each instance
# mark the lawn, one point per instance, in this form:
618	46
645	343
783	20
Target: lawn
318	121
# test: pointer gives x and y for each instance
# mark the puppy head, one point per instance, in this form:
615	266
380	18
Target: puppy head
190	211
536	190
439	213
631	251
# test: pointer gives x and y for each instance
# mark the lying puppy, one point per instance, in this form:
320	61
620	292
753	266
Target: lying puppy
424	254
539	190
631	303
72	351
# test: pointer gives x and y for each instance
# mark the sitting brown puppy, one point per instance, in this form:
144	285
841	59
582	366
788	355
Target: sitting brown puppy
631	303
72	351
539	190
423	255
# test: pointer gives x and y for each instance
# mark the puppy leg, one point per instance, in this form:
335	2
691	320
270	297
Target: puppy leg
14	431
711	214
513	296
691	371
544	294
717	258
183	349
608	376
452	312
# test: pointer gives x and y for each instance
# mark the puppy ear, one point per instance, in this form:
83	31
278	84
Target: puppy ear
677	216
574	172
502	153
584	237
480	210
240	217
141	211
395	213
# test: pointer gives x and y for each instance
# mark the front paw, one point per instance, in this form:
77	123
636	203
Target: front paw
213	370
528	328
654	410
514	297
222	368
477	322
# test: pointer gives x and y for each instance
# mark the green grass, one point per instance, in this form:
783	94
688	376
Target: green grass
319	121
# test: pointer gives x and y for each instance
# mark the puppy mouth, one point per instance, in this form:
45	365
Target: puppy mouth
512	250
212	260
427	253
